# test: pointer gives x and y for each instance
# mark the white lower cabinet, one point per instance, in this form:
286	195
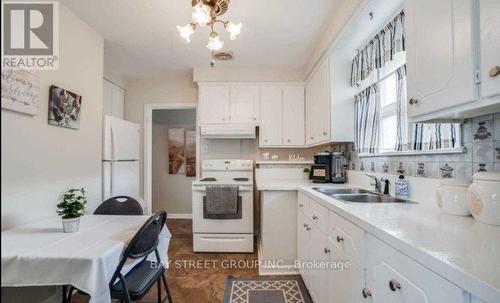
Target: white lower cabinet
394	277
359	267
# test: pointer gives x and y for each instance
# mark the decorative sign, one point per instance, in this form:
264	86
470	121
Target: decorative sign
20	91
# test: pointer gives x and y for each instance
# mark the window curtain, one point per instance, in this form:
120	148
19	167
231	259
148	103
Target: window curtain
401	114
430	136
367	120
381	49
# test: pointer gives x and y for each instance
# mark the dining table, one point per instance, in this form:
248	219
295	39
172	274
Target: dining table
41	254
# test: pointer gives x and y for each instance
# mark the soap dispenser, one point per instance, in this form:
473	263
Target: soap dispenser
402	186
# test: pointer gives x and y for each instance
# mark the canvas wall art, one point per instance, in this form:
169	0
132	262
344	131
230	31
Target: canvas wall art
20	91
176	158
190	153
64	108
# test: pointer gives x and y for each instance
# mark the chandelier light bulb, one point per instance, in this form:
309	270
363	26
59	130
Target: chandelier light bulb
201	14
186	31
233	29
214	43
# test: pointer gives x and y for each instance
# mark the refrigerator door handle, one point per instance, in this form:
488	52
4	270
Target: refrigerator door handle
113	143
111	173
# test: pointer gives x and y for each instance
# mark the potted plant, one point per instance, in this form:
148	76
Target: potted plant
71	208
307	172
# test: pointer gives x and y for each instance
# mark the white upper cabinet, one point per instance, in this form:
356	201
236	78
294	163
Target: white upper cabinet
244	104
214	104
113	100
489	11
440	55
318	106
293	116
271	118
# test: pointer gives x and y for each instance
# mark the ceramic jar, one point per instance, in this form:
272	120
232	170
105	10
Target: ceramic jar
451	197
483	197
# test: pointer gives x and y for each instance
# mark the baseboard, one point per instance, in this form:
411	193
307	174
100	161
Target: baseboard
179	216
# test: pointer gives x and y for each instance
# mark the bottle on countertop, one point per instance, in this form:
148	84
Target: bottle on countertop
402	186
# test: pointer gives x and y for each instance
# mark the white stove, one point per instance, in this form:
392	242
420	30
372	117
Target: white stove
224	235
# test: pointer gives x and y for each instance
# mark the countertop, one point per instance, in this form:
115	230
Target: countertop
459	249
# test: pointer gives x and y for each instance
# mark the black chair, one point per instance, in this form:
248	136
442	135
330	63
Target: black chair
121	205
139	280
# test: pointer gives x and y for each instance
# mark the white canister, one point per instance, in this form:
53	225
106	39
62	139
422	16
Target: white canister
483	197
451	197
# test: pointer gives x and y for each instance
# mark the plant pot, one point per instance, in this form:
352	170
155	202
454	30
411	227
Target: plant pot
71	225
306	176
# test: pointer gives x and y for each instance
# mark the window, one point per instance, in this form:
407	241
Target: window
388	113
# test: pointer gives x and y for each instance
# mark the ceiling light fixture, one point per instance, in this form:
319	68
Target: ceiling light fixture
205	13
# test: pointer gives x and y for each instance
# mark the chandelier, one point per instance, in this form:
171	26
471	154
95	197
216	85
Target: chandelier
205	13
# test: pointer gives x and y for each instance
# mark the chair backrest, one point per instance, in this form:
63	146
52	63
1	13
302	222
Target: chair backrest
121	205
146	239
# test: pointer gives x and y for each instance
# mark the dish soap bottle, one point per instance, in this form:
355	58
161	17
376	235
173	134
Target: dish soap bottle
402	186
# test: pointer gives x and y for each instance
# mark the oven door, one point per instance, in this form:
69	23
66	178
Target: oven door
223	226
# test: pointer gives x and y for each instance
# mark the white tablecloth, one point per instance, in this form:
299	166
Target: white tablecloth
41	254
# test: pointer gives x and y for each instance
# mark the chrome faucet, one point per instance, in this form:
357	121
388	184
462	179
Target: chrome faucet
376	182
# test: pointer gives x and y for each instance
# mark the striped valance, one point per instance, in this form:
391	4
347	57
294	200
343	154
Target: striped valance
381	49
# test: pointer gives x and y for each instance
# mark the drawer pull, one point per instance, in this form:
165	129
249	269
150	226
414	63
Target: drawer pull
494	71
301	205
366	293
394	285
413	101
308	228
315	217
305	225
340	239
327	250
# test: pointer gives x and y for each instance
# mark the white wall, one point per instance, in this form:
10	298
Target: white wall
174	88
170	192
40	161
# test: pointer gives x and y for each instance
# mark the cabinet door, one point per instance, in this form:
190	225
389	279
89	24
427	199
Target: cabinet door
394	277
319	275
303	245
490	47
346	282
318	106
270	129
439	55
244	104
214	104
293	115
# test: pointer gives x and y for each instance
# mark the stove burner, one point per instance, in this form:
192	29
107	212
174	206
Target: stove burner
208	180
241	179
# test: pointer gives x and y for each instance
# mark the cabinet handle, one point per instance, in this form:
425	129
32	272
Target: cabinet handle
305	226
223	119
265	140
315	217
325	133
413	101
289	140
308	228
340	239
312	138
327	250
255	119
394	285
494	71
301	205
366	293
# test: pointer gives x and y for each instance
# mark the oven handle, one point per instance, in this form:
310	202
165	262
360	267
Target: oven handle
241	189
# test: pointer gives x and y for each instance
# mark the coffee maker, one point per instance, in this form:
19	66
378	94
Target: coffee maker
321	169
338	168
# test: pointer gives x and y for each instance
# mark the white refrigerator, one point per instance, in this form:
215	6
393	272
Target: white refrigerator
121	158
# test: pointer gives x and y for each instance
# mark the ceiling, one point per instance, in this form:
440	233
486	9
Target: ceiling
141	39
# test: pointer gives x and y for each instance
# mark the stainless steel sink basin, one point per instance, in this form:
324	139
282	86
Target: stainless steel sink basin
370	198
336	191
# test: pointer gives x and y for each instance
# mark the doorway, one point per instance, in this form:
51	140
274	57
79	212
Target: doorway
170	162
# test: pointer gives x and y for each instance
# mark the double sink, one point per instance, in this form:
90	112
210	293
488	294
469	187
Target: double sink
358	195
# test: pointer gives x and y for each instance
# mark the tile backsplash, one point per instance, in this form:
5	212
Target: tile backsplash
481	138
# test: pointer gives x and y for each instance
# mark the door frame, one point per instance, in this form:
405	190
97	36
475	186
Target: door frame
148	146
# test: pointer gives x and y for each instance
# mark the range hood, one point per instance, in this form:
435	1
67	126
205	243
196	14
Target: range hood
228	131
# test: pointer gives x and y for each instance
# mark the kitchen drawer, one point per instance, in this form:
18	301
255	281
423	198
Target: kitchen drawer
318	215
347	237
303	204
223	243
394	277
